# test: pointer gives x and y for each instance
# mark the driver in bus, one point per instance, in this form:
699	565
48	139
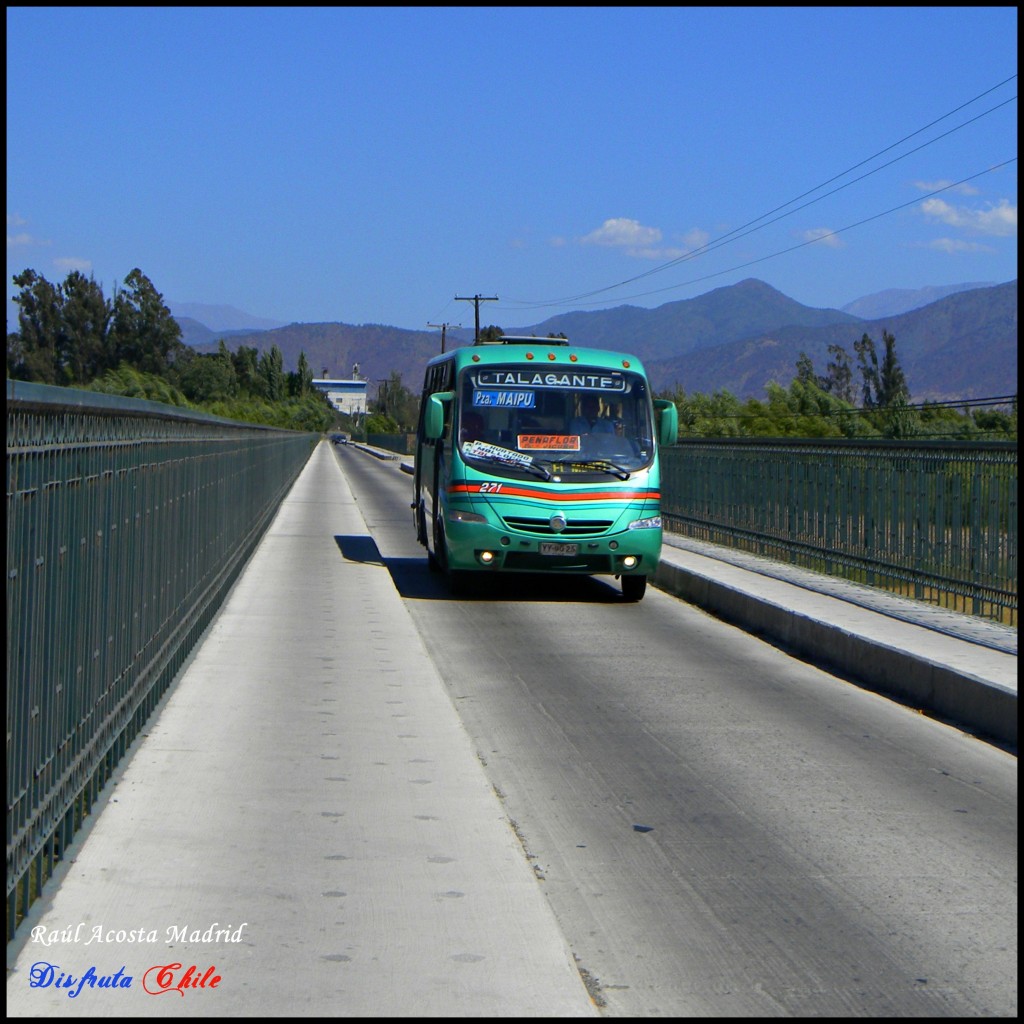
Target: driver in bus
472	428
591	421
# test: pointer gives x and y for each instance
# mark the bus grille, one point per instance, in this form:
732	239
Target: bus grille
573	528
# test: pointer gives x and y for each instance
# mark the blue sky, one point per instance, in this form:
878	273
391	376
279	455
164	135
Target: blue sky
368	165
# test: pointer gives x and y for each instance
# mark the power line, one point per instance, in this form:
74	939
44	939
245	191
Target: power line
742	231
810	241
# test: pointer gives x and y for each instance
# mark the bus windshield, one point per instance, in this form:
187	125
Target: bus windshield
539	422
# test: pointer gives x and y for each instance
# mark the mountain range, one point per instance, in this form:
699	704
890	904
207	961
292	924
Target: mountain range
956	342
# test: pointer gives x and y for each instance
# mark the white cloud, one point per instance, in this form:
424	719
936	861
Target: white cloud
954	245
999	221
622	232
963	189
826	236
664	253
21	238
70	263
638	241
695	238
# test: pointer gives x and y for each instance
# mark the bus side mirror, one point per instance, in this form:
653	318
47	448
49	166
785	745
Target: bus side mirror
433	417
668	426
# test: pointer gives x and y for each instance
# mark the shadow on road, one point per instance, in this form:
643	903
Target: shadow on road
414	580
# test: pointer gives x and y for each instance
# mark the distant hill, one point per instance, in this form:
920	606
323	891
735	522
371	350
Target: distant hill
963	346
199	335
332	349
221	318
689	325
736	338
903	300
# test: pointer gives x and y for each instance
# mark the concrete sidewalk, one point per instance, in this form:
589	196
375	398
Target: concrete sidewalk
955	666
307	821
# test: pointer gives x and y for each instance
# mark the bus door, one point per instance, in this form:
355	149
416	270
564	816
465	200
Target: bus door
433	455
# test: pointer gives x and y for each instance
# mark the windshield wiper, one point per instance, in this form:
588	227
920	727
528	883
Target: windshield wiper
531	467
603	466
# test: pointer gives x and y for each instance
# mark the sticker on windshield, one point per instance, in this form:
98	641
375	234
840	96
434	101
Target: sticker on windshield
483	450
549	442
505	399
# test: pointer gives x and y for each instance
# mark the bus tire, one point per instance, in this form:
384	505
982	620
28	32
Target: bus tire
420	517
438	559
633	587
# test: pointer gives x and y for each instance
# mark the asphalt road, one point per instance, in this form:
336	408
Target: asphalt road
720	829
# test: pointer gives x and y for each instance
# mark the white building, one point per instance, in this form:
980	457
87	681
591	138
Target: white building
348	396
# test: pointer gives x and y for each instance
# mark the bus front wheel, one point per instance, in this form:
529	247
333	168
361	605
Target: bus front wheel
458	579
633	587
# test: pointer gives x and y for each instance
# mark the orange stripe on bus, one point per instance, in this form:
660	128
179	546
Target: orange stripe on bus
522	492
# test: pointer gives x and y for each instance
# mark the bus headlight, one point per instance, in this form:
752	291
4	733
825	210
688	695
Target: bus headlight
486	557
458	515
651	523
629	562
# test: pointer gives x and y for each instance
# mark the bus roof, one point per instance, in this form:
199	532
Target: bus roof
521	339
538	352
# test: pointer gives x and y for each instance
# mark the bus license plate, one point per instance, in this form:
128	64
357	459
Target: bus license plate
558	549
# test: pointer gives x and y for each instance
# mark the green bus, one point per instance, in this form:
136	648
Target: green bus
533	455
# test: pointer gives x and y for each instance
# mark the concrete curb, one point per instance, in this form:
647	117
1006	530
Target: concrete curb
378	453
975	703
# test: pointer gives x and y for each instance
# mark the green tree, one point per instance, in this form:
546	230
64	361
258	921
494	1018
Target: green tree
801	410
884	384
868	359
303	377
208	378
85	315
892	383
230	374
491	333
37	355
398	403
145	335
247	371
838	379
381	423
805	369
271	374
134	383
701	415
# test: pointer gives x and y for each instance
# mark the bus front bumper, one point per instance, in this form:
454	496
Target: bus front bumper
481	546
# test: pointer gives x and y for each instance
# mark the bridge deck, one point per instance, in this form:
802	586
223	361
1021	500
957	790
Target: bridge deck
308	791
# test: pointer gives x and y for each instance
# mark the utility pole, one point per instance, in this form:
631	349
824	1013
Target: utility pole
443	328
476	300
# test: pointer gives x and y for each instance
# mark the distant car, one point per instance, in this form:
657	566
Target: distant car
339	438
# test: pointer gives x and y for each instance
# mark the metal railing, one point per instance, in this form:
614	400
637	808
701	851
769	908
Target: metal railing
127	522
933	520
